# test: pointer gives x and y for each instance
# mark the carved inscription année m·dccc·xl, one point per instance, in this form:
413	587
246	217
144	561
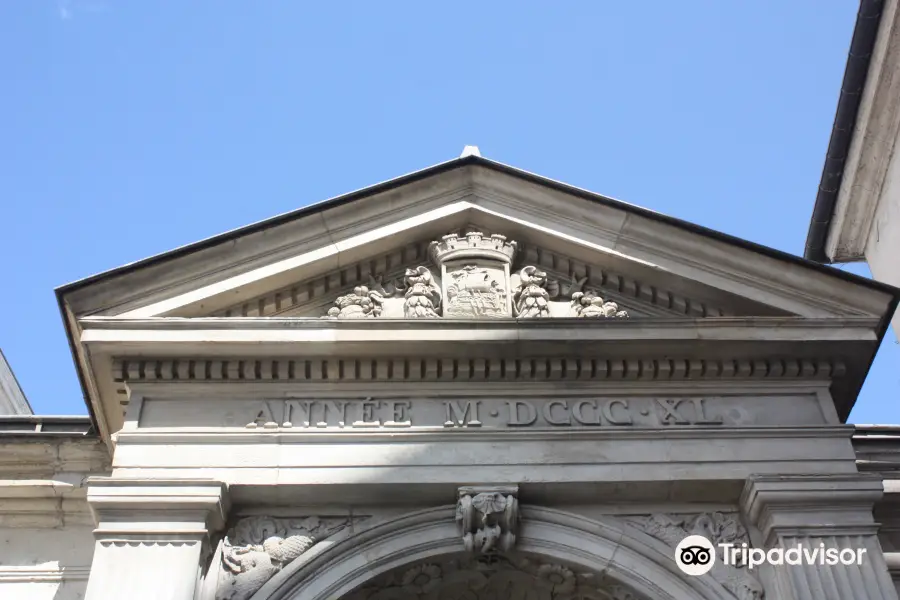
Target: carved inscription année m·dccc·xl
490	413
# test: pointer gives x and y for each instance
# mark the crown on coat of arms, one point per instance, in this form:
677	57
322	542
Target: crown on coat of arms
473	245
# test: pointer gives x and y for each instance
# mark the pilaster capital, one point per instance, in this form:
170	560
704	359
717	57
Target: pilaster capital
157	509
812	505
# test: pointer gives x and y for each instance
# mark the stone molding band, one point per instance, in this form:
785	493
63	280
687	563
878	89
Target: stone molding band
38	574
478	369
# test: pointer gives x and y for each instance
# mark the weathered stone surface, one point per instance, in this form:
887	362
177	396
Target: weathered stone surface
476	336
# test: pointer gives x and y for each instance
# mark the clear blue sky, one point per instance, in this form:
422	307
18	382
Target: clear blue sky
130	128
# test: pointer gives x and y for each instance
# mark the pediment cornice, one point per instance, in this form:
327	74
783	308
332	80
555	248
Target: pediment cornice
267	287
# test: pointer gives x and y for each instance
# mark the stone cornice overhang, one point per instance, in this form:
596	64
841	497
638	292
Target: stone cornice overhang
845	343
37	426
878	450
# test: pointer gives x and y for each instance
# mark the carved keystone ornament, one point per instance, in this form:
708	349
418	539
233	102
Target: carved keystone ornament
473	279
488	518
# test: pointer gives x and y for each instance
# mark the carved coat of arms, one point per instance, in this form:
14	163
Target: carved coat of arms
476	292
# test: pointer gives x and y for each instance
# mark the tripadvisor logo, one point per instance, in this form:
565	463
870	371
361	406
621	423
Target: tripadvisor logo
696	555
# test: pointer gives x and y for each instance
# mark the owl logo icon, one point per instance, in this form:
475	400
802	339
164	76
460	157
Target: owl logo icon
695	555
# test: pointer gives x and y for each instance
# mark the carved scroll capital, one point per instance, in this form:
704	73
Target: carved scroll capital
488	518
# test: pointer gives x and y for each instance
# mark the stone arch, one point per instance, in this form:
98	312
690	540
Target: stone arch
606	546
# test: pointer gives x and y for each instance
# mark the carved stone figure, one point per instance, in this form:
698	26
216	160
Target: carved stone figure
363	303
719	528
476	292
491	578
488	518
423	297
257	548
591	306
532	298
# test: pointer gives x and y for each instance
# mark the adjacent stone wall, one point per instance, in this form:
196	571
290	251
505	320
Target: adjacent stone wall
46	539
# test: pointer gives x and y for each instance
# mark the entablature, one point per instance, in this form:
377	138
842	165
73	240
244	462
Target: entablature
474	260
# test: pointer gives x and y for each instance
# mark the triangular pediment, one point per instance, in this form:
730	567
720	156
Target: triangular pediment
652	265
303	284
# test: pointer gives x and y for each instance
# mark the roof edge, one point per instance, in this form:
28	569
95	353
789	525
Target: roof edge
865	32
495	166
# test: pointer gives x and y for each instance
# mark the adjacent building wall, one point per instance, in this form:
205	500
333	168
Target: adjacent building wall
46	527
12	399
883	245
857	212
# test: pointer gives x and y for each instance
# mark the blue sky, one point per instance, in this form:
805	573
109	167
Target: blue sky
130	128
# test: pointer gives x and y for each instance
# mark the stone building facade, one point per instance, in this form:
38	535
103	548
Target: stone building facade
470	382
856	217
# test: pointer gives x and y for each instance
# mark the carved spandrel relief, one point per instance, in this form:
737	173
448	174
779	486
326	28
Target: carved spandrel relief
491	578
257	548
473	280
719	528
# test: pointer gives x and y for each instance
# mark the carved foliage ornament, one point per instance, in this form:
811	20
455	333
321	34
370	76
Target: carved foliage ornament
257	548
491	578
478	284
363	303
719	528
488	518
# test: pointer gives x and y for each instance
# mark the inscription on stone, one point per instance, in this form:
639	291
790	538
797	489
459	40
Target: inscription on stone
371	413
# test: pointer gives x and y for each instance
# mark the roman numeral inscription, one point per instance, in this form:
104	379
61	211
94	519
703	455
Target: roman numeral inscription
372	413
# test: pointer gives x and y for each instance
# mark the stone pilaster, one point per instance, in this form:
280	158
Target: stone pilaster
887	513
151	536
828	514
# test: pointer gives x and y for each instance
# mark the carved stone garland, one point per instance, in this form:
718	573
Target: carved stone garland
490	578
717	527
475	282
257	548
488	518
